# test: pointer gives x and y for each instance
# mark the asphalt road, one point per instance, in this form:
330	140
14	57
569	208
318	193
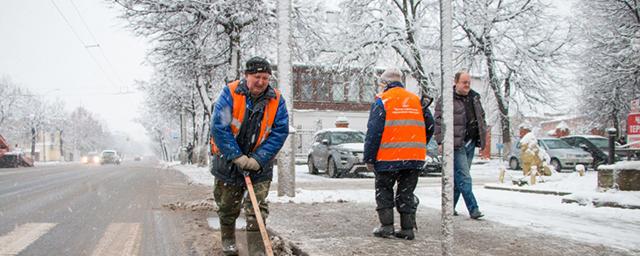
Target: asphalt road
75	209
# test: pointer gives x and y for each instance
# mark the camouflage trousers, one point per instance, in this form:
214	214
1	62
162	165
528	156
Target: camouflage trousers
230	198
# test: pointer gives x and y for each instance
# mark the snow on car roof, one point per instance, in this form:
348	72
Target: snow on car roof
336	130
588	136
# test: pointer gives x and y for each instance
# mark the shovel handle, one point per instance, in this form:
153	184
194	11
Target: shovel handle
256	209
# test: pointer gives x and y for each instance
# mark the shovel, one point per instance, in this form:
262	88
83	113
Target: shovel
256	210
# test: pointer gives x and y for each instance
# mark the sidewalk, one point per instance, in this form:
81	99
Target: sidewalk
345	229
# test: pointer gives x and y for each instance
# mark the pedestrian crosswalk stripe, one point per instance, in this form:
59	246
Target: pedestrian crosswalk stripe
22	236
121	239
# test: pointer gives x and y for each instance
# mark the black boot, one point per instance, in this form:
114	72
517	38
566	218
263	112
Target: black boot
228	235
386	223
408	223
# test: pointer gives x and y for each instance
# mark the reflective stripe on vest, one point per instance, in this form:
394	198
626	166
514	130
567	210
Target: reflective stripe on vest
239	107
404	136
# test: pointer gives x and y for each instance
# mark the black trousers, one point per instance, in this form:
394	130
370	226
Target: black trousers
404	200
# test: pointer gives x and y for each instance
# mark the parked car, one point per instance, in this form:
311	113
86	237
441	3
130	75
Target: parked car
561	154
337	151
137	158
109	157
597	146
433	161
90	158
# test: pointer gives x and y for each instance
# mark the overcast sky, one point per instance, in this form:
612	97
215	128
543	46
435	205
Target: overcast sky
39	51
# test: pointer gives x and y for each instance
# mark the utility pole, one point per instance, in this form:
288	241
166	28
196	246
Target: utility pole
286	168
446	45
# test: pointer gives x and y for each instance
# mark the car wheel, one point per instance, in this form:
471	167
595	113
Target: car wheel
312	167
332	169
513	164
556	164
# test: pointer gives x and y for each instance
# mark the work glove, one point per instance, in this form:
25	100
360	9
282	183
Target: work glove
241	161
247	163
252	165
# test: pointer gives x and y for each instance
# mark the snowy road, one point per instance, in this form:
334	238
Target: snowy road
75	209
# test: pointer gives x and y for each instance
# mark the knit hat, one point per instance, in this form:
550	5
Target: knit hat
257	65
391	75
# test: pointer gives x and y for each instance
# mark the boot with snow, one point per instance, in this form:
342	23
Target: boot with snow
228	235
386	223
407	223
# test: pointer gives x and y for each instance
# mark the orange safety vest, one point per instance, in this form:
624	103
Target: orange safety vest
404	136
239	107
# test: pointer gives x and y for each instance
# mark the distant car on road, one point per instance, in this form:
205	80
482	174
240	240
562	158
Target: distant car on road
137	158
338	151
562	155
90	158
109	157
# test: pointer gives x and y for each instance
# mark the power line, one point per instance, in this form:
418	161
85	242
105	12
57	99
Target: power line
83	44
97	44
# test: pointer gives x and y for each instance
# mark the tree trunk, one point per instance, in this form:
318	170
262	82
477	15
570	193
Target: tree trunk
502	100
234	57
33	142
194	139
61	150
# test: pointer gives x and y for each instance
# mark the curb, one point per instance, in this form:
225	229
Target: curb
526	190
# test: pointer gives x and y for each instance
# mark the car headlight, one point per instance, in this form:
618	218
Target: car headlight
96	159
83	159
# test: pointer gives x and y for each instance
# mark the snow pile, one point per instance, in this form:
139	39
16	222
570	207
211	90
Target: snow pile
325	196
610	198
197	205
624	165
531	142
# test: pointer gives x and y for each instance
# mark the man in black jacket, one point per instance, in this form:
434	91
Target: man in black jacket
469	131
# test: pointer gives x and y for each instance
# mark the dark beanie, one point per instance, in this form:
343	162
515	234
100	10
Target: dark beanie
257	65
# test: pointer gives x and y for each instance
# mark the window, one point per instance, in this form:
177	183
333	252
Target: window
338	89
354	90
322	88
347	137
306	87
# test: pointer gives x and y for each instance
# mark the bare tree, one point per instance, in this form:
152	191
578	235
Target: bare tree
609	59
379	30
516	45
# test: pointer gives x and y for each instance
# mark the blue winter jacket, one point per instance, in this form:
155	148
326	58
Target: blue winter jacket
375	127
222	166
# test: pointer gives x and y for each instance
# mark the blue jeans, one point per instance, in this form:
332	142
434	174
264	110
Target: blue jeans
462	178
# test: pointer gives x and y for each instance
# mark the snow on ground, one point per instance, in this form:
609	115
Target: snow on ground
50	163
542	213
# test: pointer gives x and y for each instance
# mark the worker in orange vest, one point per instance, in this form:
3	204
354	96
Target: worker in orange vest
395	149
249	125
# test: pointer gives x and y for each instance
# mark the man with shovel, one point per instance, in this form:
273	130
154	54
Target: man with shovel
249	125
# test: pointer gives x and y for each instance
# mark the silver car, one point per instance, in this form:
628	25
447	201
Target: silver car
337	151
562	155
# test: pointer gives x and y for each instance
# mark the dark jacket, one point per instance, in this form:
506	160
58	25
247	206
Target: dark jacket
460	120
375	127
222	166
